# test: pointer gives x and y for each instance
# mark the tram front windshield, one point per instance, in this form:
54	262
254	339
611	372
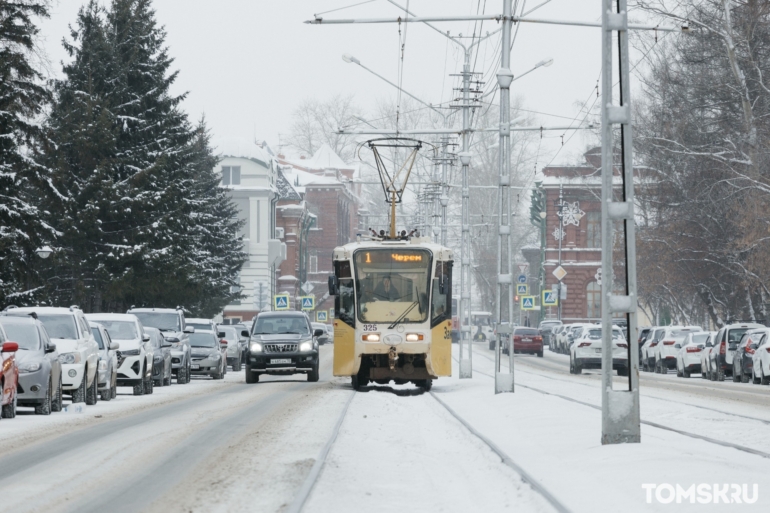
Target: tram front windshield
392	284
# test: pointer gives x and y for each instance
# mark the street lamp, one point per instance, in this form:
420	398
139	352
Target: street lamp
542	64
44	252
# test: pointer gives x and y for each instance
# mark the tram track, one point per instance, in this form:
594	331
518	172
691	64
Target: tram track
657	425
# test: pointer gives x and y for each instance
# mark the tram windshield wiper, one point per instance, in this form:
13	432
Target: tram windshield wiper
403	316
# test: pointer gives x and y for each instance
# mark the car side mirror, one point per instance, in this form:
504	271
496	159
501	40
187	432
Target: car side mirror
221	334
50	348
318	333
189	329
166	344
114	346
10	347
145	338
245	333
333	285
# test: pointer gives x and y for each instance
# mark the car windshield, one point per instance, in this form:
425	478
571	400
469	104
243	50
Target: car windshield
59	326
700	338
25	335
98	337
203	340
531	332
596	334
120	330
277	325
230	333
200	326
162	321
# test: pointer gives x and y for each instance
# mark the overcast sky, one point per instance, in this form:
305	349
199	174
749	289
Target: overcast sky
248	63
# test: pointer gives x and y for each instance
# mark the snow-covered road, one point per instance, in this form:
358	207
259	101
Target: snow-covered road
227	446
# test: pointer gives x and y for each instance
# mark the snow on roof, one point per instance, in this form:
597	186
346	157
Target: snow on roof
286	190
241	147
299	179
325	158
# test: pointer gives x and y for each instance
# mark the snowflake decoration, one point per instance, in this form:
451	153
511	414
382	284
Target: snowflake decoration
598	276
571	214
558	233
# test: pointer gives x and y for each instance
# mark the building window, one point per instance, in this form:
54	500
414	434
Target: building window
231	175
594	300
594	230
313	262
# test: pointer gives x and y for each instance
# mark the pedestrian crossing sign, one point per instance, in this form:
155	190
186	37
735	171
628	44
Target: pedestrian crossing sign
522	289
527	302
308	302
281	302
331	313
550	298
321	316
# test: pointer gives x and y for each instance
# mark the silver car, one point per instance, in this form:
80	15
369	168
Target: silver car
234	346
171	323
40	378
161	368
323	339
108	362
208	355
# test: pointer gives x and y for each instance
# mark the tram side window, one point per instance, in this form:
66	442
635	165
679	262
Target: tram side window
441	301
345	305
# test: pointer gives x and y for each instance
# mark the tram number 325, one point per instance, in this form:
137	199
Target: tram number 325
370	327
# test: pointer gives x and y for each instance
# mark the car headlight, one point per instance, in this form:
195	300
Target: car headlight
306	346
102	365
69	358
215	356
29	367
256	347
130	352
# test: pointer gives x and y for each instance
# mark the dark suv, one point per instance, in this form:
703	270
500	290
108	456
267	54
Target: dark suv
282	343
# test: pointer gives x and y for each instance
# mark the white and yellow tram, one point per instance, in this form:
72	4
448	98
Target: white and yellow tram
393	311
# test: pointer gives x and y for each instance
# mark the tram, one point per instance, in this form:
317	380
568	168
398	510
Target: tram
392	310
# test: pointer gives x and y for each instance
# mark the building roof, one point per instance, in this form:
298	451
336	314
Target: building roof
286	190
325	158
244	148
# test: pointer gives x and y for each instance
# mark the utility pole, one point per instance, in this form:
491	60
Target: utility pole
561	237
504	297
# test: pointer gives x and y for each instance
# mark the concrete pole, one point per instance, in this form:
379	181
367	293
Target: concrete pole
504	380
466	370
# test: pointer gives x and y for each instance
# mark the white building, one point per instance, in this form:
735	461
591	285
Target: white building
250	174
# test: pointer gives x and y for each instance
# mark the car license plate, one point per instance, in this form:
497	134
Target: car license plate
280	360
195	366
526	340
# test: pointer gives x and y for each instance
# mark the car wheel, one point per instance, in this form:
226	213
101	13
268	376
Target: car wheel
237	366
167	380
578	368
149	385
139	388
312	376
754	377
114	387
79	395
180	376
56	404
678	372
9	410
685	374
539	354
744	377
736	375
46	407
92	394
251	377
720	374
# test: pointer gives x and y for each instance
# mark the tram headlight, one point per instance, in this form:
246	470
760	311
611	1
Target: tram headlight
371	337
306	346
414	337
256	347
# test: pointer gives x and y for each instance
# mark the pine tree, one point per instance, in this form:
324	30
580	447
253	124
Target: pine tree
22	98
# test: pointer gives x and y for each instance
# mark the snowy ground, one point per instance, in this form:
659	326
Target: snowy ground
227	446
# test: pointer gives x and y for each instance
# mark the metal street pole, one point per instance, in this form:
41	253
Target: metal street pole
561	237
504	309
620	408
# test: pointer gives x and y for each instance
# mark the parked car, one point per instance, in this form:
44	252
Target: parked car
743	357
725	344
161	361
760	365
664	352
643	333
171	322
234	348
330	331
108	362
243	341
574	331
526	341
546	329
9	376
202	325
558	338
283	343
688	357
68	328
647	359
208	354
135	357
40	379
323	339
586	350
705	369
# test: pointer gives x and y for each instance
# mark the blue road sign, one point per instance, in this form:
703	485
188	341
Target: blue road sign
320	316
522	289
281	302
528	302
308	302
522	278
550	298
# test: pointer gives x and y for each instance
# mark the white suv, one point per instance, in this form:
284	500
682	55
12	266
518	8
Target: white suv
135	356
171	323
665	351
78	351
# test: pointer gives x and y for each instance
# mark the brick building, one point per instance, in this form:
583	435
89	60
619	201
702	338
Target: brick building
580	231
